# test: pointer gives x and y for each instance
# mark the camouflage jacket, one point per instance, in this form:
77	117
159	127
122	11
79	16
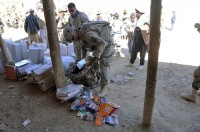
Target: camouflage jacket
95	38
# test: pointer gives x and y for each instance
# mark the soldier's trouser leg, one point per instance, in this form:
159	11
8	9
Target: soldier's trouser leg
195	87
77	50
196	80
105	61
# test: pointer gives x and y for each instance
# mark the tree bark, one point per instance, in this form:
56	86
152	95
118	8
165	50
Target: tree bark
57	66
155	17
6	52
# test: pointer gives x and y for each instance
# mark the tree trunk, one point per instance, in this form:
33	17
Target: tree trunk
58	69
152	61
6	52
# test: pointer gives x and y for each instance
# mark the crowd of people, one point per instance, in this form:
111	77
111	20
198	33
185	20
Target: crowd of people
12	17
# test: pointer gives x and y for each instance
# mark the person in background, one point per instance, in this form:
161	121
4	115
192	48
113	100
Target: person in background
130	31
116	25
124	15
31	26
141	39
76	19
1	26
197	26
98	17
173	20
62	21
42	24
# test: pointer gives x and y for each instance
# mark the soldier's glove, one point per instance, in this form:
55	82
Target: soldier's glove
92	60
70	70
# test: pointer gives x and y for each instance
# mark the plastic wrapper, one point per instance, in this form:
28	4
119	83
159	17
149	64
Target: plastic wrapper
87	117
92	107
99	100
88	92
81	113
107	109
98	120
112	120
74	104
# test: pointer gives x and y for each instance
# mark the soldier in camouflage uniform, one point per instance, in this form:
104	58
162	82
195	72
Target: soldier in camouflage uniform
192	97
98	40
76	19
195	87
88	76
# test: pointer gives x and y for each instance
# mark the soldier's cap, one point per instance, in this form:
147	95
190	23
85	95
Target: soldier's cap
137	11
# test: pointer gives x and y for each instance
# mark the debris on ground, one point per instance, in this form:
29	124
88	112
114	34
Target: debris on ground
95	109
121	79
26	122
11	86
131	74
3	126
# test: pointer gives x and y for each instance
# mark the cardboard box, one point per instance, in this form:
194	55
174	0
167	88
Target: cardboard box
11	72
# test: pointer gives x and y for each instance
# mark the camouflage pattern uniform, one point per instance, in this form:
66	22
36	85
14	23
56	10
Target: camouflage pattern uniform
192	97
102	45
100	42
196	81
76	22
88	76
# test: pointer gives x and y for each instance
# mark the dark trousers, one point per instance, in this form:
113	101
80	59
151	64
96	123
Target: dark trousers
138	46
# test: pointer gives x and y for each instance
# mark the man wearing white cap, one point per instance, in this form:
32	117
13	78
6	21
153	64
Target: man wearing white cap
141	39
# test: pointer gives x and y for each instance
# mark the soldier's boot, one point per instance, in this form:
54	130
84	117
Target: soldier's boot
192	97
103	91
